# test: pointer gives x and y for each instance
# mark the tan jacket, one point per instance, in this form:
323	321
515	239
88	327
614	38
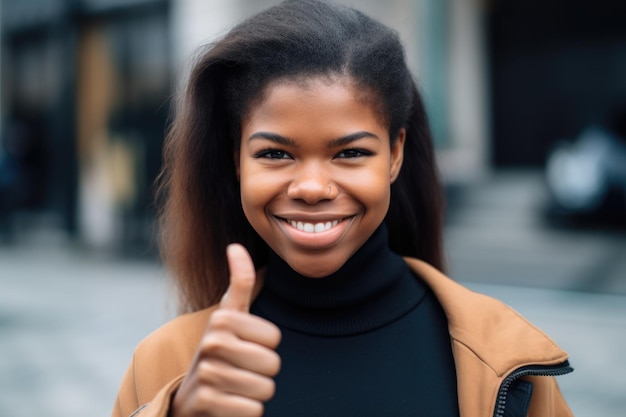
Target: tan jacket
489	342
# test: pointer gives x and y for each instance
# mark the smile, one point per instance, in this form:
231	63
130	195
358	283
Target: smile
313	227
315	233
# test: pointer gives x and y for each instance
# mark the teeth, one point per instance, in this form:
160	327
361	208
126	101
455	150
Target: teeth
313	227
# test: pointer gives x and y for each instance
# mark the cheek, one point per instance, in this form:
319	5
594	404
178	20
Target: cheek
257	190
377	196
251	193
253	207
372	189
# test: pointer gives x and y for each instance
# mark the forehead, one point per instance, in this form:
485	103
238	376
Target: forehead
318	96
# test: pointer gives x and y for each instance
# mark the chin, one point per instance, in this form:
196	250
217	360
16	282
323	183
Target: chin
315	268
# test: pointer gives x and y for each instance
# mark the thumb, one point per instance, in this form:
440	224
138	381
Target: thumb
242	278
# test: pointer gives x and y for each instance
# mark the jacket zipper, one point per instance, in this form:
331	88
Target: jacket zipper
532	370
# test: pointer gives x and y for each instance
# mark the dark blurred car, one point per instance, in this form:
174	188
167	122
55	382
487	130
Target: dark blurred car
586	179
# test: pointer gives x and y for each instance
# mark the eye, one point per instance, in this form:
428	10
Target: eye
353	153
272	154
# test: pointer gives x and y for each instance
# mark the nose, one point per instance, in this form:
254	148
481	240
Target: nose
312	184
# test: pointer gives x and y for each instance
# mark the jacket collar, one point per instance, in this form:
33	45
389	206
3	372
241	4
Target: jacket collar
489	341
492	330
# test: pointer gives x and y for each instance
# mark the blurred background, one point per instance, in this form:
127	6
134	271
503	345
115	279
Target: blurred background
527	101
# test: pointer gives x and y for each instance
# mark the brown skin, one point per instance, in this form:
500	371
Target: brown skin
314	152
231	374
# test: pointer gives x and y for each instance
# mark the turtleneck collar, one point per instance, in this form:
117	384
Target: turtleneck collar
373	288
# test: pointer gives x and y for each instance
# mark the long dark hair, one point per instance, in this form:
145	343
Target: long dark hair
199	190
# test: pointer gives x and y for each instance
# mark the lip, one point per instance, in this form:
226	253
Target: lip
321	239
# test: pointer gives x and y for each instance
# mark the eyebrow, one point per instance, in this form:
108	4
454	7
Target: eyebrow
342	141
345	140
281	140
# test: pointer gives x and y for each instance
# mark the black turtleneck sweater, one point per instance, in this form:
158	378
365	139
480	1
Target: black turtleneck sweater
369	340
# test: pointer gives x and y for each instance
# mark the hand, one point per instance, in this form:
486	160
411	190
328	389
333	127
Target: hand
232	372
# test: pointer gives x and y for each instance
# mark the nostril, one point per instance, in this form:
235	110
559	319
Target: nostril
310	191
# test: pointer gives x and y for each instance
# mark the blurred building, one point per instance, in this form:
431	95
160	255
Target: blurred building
87	83
86	86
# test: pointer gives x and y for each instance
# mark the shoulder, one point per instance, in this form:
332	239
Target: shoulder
486	326
490	341
176	334
167	352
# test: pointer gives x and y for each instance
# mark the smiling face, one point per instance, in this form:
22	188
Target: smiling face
315	168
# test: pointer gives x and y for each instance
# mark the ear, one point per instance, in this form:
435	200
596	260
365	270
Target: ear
236	156
397	155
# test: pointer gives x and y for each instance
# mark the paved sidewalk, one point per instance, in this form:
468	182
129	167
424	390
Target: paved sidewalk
68	326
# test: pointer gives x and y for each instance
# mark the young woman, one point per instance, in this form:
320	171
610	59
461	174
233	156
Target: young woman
303	138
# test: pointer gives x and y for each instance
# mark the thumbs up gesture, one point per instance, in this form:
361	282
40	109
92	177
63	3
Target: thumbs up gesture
233	369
